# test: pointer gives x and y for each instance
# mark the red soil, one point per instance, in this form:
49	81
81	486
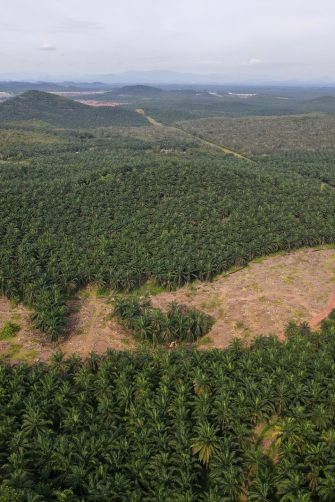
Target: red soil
316	320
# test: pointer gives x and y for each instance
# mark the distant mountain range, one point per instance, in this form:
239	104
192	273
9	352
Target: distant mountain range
17	87
159	77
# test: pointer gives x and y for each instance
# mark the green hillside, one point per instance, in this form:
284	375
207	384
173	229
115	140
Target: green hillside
62	112
140	90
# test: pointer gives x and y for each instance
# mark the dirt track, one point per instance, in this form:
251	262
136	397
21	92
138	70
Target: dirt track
206	142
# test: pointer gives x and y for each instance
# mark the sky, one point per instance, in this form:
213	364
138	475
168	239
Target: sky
260	40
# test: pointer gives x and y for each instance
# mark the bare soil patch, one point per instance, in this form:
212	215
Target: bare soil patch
94	102
263	297
90	329
257	300
28	345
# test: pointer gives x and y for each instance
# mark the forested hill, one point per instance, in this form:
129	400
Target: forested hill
134	90
63	112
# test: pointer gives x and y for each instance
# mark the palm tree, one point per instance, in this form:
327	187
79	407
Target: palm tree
34	422
261	491
206	442
291	486
326	489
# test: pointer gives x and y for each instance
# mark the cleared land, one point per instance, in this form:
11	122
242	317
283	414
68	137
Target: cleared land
90	329
257	135
259	299
263	297
94	102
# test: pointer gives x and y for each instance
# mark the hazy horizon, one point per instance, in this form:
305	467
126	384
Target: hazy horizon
252	41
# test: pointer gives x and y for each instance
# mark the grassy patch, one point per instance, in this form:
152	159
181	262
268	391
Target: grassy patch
148	289
298	314
214	304
288	279
102	292
27	356
259	259
254	286
16	352
206	340
13	350
242	327
16	317
9	330
87	292
15	301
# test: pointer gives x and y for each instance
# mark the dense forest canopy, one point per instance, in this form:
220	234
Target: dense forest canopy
251	423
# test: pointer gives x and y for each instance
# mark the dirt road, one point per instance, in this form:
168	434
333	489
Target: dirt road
206	142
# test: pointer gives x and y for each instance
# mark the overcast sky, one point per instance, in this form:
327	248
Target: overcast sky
245	39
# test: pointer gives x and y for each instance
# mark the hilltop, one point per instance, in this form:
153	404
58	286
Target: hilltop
64	112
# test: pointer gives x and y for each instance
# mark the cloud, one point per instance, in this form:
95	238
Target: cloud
252	62
47	47
75	26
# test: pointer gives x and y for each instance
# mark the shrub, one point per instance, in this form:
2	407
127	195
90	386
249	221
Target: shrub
9	330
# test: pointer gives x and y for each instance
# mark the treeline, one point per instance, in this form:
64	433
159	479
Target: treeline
178	324
120	215
254	423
